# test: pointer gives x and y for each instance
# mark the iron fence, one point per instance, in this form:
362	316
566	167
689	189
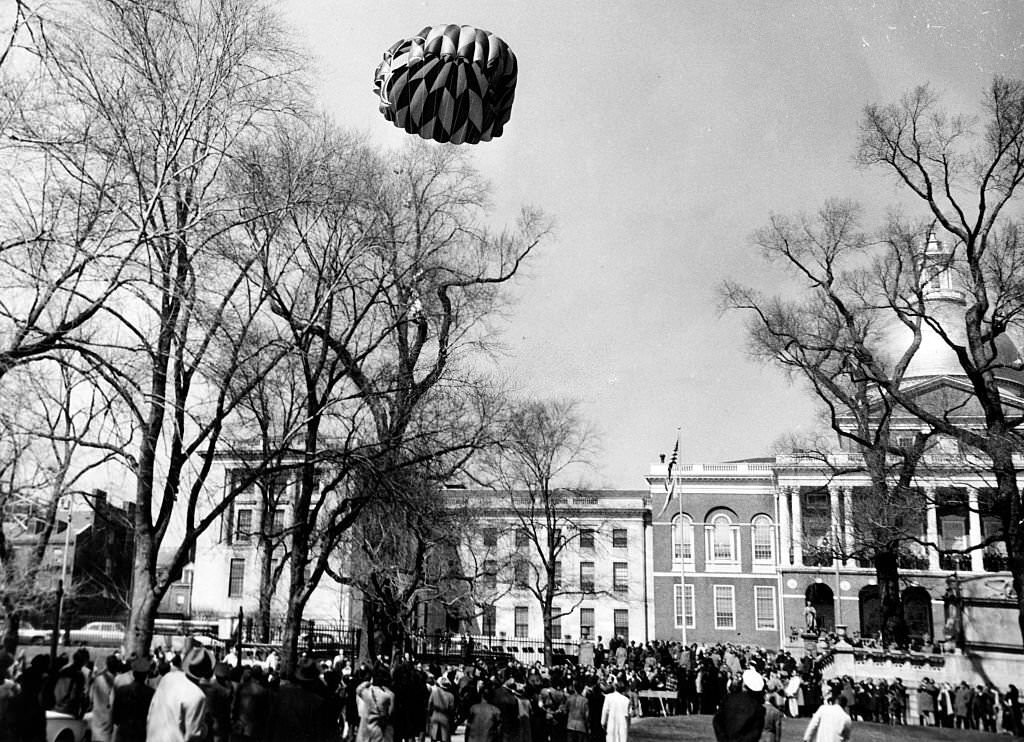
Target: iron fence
468	646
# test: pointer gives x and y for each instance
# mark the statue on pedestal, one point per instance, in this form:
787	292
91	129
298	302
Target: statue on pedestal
810	618
954	602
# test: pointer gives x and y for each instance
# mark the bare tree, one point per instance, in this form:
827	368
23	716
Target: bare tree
966	171
541	445
143	110
816	336
402	557
380	277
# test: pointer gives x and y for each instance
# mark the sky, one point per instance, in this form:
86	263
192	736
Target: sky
659	135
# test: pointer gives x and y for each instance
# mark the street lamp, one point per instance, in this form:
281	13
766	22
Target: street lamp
66	503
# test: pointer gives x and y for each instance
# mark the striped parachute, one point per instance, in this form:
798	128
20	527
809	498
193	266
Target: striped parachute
448	83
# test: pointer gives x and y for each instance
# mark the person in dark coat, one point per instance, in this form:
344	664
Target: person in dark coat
740	716
507	702
483	720
409	684
250	707
130	705
32	711
300	710
220	692
595	699
69	692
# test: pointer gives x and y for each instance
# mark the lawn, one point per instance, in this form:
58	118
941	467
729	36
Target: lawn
686	728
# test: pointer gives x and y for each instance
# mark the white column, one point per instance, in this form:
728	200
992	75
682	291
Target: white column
785	535
974	528
848	518
835	538
932	527
798	531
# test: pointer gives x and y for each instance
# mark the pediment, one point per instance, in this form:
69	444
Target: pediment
953	397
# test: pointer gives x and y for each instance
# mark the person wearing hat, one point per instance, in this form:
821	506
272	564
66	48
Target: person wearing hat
219	694
301	710
441	707
177	712
130	705
378	703
740	716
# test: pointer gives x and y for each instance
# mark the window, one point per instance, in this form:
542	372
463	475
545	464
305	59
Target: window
522	537
557	576
556	622
522	628
620	618
586	623
490	537
489	620
994	557
954	532
521	574
243	527
816	527
682	538
725	607
490	575
186	576
556	537
690	620
619	538
236	578
620	577
764	608
277	526
763	538
587	577
586	538
721	539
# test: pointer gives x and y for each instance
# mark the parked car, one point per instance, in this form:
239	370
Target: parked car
29	634
66	728
99	632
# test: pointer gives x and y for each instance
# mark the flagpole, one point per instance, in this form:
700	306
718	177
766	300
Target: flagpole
682	562
670	486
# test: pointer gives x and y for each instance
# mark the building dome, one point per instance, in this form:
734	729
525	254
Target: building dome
945	302
936	356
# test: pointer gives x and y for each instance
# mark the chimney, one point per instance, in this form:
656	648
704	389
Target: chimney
661	457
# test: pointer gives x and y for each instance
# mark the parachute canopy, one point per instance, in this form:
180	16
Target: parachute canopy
448	83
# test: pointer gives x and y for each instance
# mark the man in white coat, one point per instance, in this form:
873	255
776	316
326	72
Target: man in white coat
615	715
830	722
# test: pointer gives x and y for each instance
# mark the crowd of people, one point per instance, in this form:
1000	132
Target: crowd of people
195	695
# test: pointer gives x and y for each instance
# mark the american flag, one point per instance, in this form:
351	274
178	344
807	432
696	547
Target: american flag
673	459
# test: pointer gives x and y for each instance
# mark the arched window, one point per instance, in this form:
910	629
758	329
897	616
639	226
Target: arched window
682	538
870	611
917	609
722	540
763	540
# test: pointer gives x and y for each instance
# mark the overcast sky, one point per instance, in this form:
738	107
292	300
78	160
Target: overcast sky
659	135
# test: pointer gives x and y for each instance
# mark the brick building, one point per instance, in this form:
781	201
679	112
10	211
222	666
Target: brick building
715	541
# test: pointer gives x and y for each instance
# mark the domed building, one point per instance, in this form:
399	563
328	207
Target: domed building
807	515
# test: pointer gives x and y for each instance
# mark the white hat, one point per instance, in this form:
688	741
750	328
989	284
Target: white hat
752	679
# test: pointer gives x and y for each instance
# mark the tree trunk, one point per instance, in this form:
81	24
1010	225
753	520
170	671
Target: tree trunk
143	607
266	593
1001	453
894	625
546	611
